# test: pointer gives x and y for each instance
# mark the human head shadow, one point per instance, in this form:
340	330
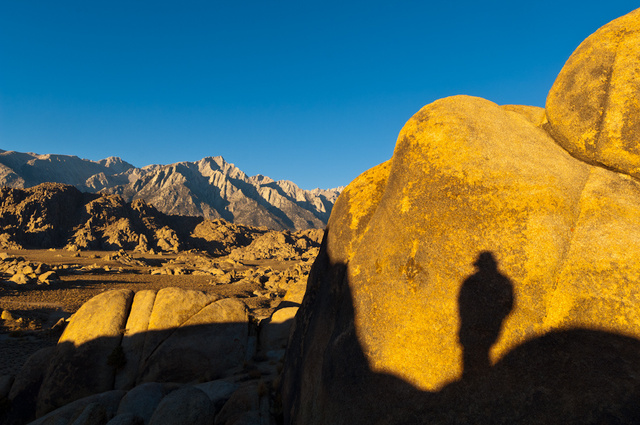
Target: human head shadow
574	376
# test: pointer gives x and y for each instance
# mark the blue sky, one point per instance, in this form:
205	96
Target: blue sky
309	91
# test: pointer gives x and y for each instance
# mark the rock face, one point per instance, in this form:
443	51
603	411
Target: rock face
42	215
210	188
482	257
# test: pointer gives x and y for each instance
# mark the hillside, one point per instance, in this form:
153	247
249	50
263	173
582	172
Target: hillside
54	215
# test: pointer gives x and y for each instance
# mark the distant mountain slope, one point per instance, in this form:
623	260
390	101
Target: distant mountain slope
211	188
21	170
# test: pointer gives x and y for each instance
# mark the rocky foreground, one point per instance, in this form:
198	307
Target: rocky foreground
217	319
130	329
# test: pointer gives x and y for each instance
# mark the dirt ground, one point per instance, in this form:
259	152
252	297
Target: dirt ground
30	312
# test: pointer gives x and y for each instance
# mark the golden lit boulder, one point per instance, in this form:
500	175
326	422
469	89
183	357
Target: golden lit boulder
209	344
172	307
83	362
134	338
481	235
466	177
594	105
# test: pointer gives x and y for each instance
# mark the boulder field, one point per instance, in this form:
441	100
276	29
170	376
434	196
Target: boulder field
154	357
488	272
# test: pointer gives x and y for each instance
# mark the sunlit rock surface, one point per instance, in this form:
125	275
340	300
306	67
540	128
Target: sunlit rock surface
482	195
594	107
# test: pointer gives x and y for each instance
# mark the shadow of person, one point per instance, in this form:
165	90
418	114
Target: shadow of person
571	376
484	301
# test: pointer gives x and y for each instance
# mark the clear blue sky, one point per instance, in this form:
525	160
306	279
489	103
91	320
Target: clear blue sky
310	91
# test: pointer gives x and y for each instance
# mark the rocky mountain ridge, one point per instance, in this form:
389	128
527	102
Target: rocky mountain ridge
211	188
54	215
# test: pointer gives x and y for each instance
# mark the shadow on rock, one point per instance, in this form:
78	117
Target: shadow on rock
60	375
485	300
575	376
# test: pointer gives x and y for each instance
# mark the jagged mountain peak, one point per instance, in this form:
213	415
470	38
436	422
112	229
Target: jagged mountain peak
211	164
260	179
211	187
116	164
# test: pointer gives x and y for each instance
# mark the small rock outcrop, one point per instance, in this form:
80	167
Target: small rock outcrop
280	246
18	272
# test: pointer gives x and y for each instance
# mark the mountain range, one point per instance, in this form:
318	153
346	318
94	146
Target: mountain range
211	188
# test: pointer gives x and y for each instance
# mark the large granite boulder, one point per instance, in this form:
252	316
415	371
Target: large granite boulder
593	106
208	345
26	386
188	406
482	255
80	365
